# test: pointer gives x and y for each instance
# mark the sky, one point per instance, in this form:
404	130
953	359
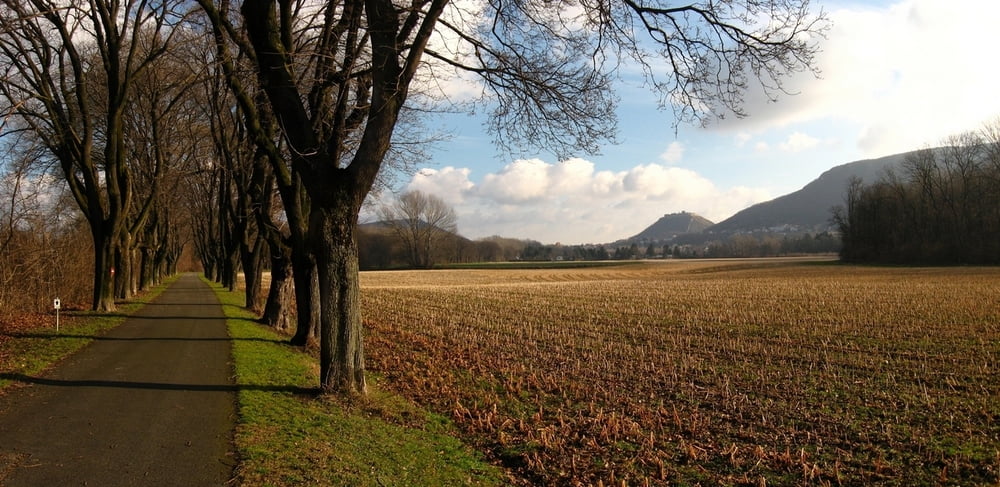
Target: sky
895	76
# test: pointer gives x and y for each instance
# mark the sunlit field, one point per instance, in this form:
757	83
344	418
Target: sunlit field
712	373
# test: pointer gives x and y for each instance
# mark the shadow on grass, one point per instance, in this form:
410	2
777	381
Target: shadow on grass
27	379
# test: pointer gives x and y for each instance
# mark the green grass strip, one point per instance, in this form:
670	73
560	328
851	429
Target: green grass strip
286	435
33	351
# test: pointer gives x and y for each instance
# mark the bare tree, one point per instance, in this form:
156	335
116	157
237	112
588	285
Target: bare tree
68	74
941	209
166	134
423	222
338	77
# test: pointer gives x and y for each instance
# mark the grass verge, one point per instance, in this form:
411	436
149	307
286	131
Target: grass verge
286	435
31	351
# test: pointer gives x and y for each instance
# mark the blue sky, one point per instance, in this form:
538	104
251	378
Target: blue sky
896	76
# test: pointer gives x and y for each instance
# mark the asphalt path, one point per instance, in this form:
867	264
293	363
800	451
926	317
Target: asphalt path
152	402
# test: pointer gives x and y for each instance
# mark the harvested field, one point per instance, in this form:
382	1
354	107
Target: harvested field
760	372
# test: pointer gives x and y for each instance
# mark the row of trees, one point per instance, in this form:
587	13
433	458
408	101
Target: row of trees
92	93
260	127
773	246
766	245
383	248
380	247
941	207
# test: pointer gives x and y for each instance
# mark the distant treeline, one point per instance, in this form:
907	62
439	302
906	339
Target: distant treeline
941	207
383	249
770	245
380	248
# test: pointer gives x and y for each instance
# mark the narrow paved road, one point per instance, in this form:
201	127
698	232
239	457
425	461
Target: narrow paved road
150	403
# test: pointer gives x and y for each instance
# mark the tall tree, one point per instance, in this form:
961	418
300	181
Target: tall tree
69	71
165	135
245	196
423	222
292	245
338	76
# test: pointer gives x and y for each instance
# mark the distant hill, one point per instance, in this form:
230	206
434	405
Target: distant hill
669	226
808	209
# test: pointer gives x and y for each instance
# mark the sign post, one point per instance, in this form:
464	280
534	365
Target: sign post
56	304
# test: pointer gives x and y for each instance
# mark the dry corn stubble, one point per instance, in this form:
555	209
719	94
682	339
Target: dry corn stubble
687	372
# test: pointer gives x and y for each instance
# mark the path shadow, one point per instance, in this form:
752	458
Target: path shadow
27	379
180	318
50	336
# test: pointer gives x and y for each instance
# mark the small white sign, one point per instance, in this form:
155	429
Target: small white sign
57	304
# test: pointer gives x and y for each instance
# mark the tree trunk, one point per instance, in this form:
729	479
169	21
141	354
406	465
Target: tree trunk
307	293
145	268
209	269
104	279
252	257
276	311
342	367
135	263
123	269
230	267
169	266
161	265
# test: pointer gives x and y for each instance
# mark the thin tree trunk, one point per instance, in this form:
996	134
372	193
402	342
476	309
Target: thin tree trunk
307	293
252	257
162	265
145	268
135	264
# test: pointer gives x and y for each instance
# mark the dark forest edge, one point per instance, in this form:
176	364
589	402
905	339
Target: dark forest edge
942	207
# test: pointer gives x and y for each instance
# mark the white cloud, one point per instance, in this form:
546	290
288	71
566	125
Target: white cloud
449	184
522	181
570	176
673	154
572	202
742	138
656	182
903	75
798	142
